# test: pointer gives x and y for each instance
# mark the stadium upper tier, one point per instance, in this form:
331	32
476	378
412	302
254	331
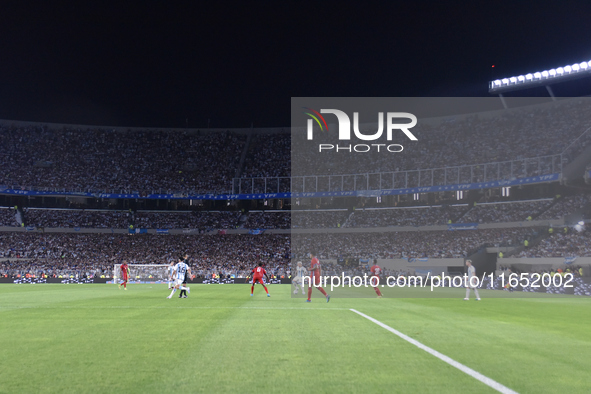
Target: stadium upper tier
115	161
520	142
517	134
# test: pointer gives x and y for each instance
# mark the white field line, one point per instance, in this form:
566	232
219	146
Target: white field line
476	375
8	307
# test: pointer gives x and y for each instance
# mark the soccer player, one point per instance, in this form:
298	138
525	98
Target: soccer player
257	276
471	273
315	278
184	292
300	272
375	273
124	274
170	271
180	269
507	275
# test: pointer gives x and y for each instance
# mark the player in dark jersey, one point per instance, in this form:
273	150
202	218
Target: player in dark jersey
257	277
375	277
315	278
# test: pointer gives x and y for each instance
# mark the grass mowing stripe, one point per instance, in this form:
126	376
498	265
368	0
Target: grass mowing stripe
476	375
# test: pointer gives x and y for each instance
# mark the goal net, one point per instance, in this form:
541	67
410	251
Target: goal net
143	273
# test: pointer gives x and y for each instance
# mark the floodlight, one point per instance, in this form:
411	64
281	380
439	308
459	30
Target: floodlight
545	77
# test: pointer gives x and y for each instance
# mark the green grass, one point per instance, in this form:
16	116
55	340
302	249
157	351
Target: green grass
96	338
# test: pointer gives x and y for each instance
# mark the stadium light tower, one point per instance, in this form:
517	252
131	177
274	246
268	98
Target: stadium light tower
540	78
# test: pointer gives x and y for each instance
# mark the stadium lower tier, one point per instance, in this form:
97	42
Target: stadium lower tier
96	254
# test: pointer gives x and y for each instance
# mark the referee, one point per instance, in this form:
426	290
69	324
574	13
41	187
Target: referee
471	273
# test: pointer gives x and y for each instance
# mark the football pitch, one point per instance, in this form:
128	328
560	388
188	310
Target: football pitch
97	338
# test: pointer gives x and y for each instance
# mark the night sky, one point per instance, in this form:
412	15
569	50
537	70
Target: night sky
173	63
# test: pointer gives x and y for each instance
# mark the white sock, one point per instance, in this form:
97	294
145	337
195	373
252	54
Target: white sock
467	292
183	288
476	292
173	291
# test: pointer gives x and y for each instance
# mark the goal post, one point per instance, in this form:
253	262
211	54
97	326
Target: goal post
143	273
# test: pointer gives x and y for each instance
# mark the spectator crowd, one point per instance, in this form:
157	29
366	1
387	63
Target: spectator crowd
499	212
96	254
189	161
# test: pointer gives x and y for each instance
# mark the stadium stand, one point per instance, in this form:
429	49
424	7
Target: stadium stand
7	217
76	218
152	161
268	220
63	254
505	212
565	206
416	244
517	134
497	212
561	245
318	219
268	156
425	216
179	220
101	160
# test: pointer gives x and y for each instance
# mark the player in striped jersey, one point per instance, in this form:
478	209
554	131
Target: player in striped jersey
184	292
300	272
178	274
170	271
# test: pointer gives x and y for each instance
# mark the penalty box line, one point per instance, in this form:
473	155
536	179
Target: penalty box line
476	375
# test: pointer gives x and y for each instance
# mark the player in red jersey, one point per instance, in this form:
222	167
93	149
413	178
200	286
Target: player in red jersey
124	274
315	278
375	277
257	276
